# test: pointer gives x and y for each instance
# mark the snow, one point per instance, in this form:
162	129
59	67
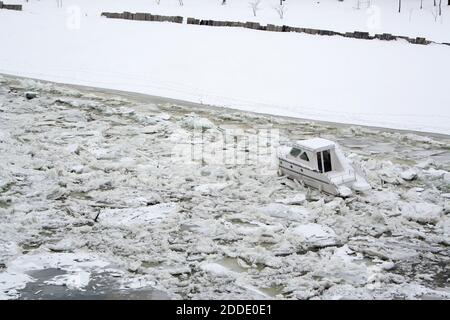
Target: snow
337	79
316	143
343	16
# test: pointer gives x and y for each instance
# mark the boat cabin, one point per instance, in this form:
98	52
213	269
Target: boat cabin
321	164
317	154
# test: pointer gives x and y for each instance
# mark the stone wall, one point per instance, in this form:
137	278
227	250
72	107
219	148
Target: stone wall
143	17
284	28
17	7
269	27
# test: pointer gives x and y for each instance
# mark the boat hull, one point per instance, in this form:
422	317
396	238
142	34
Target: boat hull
308	177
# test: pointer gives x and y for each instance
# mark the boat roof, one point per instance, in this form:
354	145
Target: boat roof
315	144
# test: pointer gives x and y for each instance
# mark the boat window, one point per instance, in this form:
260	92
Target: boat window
304	156
319	161
295	152
327	160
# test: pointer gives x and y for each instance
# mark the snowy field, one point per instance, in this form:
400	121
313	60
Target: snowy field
374	16
97	199
377	83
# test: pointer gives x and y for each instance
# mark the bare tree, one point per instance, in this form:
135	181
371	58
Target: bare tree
255	6
280	9
158	2
421	4
59	3
224	2
435	12
399	5
440	7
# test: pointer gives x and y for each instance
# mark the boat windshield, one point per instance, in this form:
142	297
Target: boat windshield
295	152
304	156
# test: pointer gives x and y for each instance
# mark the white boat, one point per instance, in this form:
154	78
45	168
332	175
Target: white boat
321	164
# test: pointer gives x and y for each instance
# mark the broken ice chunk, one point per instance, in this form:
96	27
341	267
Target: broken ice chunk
316	234
446	177
5	181
408	175
421	212
66	245
296	199
10	283
73	148
195	122
425	164
78	169
211	187
388	265
4	136
74	281
435	174
279	210
215	268
137	216
344	191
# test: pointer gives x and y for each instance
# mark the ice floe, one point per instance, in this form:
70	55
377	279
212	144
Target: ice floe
89	183
140	216
315	234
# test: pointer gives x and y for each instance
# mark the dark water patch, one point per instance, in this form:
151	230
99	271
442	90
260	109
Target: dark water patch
4	205
435	274
101	286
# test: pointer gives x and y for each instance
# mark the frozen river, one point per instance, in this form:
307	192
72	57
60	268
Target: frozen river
115	195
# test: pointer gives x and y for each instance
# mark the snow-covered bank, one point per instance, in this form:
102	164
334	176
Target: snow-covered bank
395	85
344	16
